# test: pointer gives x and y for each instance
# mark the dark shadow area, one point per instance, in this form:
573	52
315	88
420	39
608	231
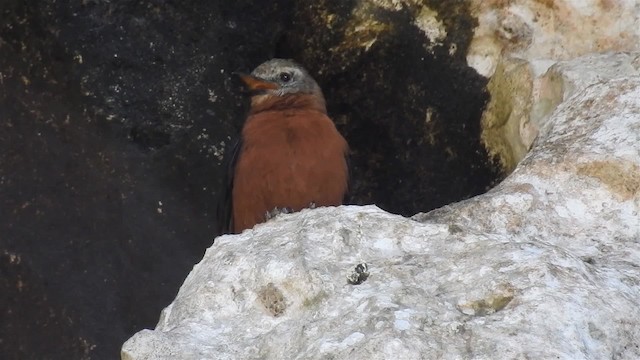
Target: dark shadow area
410	109
113	117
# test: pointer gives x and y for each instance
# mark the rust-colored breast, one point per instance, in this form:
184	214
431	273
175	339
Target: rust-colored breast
289	158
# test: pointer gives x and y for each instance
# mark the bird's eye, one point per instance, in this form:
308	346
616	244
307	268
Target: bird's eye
285	76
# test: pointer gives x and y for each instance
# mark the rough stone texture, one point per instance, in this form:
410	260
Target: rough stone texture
564	78
547	31
535	35
521	104
543	266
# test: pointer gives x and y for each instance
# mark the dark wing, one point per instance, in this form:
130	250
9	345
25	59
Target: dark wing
347	199
225	198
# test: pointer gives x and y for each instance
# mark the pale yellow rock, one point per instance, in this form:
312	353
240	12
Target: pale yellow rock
427	20
507	114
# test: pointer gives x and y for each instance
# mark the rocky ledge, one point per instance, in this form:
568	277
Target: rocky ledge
545	265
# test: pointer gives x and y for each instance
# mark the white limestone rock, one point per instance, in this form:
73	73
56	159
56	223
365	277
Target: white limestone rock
543	32
565	78
546	265
521	104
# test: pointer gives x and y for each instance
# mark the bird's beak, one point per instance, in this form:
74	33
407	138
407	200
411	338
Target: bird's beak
255	84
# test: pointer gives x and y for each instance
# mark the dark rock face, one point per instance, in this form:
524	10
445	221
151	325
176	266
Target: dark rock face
112	115
114	120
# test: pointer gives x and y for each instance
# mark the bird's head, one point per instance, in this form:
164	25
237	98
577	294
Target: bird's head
280	77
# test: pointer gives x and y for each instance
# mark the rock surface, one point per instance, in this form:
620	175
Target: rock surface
542	266
515	43
521	103
543	32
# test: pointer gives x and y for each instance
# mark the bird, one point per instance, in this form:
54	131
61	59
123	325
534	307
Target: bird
289	155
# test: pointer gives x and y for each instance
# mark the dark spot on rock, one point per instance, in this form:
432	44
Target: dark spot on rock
359	275
455	229
273	299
